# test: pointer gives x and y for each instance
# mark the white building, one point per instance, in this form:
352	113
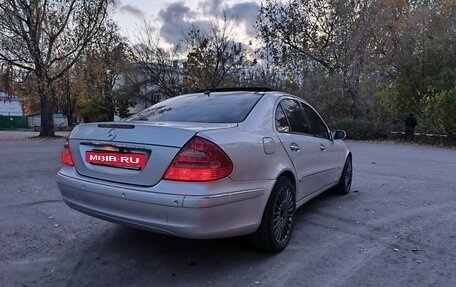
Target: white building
146	91
59	120
10	105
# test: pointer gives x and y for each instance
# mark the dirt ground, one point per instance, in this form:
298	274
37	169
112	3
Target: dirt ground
396	227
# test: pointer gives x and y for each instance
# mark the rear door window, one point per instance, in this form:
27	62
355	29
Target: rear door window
317	125
295	116
281	122
213	108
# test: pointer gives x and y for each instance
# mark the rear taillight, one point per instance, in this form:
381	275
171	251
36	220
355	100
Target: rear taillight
199	160
66	155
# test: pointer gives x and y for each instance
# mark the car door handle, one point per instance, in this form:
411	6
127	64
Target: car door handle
322	147
294	147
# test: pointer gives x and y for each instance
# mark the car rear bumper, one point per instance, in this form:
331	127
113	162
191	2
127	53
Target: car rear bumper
213	215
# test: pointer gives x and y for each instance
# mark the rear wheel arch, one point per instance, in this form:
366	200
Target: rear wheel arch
277	222
289	175
349	155
344	184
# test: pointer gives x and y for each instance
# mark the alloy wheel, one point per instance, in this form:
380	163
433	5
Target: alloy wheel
283	214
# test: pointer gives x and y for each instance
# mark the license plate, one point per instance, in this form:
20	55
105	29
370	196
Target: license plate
126	160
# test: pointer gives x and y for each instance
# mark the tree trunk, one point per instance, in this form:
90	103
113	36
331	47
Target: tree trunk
109	98
351	91
68	107
111	109
47	122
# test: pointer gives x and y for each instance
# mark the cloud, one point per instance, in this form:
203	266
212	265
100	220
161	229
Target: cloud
212	7
177	20
176	11
129	9
246	12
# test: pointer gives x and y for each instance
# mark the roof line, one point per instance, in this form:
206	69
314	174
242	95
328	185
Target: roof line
236	89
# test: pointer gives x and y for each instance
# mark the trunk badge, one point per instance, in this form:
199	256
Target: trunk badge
112	134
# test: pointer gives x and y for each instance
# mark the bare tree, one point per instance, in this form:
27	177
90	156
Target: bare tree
331	34
155	72
214	58
95	77
47	37
6	78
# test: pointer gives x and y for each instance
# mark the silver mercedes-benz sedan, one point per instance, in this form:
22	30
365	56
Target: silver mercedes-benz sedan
214	164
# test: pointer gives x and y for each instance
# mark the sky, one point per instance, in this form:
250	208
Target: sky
174	18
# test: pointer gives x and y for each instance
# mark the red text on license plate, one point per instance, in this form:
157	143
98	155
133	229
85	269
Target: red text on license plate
137	160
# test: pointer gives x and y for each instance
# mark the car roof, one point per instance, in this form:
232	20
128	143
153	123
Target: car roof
236	89
265	91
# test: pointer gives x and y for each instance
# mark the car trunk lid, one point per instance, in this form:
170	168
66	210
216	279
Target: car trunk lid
135	153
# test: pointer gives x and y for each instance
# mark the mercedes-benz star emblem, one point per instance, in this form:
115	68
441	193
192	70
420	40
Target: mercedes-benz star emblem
112	134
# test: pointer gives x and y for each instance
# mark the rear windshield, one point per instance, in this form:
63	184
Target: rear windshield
215	108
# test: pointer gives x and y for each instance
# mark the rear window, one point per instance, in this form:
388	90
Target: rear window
215	108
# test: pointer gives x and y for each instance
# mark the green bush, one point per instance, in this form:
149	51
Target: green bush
439	113
446	111
355	128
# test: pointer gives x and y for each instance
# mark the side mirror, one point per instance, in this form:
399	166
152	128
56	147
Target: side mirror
338	134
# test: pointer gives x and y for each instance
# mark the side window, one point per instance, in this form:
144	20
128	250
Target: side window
295	115
318	126
281	122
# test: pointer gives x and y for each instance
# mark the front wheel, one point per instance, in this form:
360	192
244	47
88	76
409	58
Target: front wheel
277	223
344	185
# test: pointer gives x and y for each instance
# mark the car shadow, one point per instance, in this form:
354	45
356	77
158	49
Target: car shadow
131	254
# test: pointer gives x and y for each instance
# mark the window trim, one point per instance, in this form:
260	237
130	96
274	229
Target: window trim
328	132
285	115
301	102
288	121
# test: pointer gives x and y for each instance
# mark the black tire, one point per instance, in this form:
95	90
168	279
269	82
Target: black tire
344	185
277	223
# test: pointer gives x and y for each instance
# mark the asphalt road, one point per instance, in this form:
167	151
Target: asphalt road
397	229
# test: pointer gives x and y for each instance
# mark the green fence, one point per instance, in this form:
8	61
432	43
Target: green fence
13	122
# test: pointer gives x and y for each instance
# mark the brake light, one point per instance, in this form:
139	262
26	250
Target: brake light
66	157
199	160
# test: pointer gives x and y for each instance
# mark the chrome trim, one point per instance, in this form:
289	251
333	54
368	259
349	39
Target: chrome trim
318	172
232	193
112	144
221	199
